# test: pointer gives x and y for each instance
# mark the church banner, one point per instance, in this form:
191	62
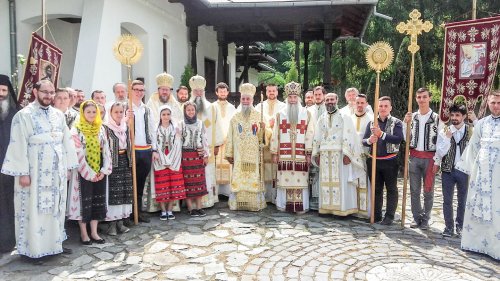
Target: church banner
43	62
470	61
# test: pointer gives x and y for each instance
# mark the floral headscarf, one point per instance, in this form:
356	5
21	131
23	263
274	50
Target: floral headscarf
91	133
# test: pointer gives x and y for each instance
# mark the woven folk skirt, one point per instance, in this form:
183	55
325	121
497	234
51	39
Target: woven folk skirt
169	185
194	173
120	182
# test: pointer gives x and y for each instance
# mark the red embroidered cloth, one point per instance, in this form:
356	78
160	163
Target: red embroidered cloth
470	60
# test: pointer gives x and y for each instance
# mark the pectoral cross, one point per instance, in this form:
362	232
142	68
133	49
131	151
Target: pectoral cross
414	27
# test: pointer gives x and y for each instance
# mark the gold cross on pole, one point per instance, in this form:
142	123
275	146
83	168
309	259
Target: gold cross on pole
414	27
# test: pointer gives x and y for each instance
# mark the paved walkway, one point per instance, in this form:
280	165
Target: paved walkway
269	245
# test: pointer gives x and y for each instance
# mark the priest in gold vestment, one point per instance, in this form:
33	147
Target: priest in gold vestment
291	146
338	155
244	141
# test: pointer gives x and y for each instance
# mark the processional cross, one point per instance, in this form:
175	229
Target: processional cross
413	27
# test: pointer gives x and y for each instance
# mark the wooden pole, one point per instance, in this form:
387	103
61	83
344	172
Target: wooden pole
132	144
44	18
374	150
474	9
262	168
408	135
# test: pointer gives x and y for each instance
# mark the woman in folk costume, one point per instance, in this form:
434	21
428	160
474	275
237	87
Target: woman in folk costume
194	159
119	188
87	193
169	180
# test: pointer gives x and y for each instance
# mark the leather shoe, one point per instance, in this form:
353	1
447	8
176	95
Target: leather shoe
143	218
67	251
386	221
98	241
86	243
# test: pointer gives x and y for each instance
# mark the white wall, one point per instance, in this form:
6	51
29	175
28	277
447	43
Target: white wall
5	34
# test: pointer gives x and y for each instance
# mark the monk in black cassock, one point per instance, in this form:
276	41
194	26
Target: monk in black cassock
8	107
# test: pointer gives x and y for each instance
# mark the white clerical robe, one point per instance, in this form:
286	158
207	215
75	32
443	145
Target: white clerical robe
316	112
270	109
292	143
351	109
243	144
363	185
212	121
481	161
41	147
223	167
333	139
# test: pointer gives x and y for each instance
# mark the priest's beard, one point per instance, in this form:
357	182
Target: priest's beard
293	113
164	99
246	110
200	104
4	108
331	107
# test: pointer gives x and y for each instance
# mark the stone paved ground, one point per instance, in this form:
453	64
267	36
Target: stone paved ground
268	245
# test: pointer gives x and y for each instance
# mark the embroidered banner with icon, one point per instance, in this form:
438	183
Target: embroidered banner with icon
43	62
470	60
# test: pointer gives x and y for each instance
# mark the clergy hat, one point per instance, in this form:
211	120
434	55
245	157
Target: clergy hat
164	80
293	88
197	82
247	89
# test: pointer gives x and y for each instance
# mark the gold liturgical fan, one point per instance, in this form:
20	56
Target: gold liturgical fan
379	56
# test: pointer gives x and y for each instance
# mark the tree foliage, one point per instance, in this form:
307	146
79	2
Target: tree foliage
348	65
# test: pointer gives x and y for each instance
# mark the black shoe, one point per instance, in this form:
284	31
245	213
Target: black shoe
98	241
193	213
143	218
128	222
171	217
424	225
33	261
163	217
459	232
86	243
448	232
201	213
386	221
67	251
415	224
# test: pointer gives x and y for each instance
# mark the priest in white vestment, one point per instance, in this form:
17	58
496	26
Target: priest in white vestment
339	160
270	107
360	118
227	111
350	96
212	120
481	161
291	146
39	156
245	139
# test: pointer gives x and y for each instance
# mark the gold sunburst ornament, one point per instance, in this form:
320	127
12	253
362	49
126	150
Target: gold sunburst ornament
128	49
379	56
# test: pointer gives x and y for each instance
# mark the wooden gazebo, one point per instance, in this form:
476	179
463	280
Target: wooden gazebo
244	22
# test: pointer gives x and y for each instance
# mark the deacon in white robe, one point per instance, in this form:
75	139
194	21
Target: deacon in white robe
360	118
227	111
39	156
481	161
212	121
291	146
270	107
339	161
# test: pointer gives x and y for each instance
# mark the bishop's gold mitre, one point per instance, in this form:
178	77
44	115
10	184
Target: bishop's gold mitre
164	80
197	82
293	88
247	89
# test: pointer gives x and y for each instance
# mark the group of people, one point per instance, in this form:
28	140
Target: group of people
67	157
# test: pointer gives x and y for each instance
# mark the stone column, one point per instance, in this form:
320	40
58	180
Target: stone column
193	38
